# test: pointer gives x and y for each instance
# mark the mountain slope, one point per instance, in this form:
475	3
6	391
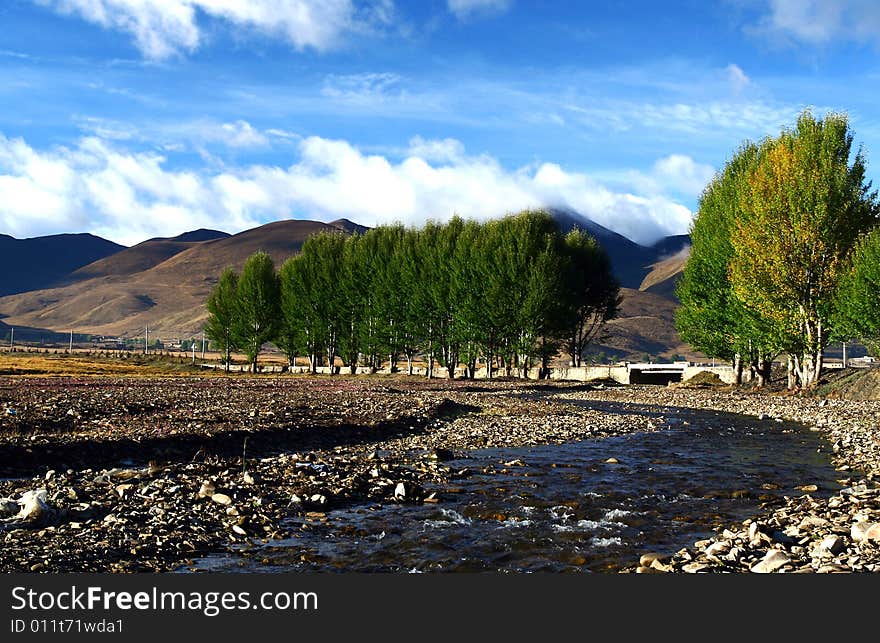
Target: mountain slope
168	296
664	274
40	262
144	255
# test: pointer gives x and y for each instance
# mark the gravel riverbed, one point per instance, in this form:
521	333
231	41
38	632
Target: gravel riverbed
147	474
805	533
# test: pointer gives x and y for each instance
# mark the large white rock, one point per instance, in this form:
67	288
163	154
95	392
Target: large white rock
773	560
34	506
865	530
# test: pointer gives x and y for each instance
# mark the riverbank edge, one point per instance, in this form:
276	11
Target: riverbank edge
806	534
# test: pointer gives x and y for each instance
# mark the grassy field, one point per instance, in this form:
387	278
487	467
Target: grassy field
63	365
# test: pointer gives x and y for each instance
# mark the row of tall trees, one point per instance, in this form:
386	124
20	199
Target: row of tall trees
512	293
784	257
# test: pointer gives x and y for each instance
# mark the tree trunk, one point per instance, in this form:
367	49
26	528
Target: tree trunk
793	379
737	370
489	363
762	372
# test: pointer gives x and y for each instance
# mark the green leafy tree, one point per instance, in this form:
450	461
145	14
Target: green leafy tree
711	317
806	206
858	297
257	309
591	294
222	307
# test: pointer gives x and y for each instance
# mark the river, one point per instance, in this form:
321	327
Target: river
566	507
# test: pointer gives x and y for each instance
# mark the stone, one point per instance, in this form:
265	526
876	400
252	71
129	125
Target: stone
400	491
8	507
717	549
221	499
660	567
123	489
812	522
695	567
833	545
206	490
34	506
650	557
612	461
858	530
808	488
772	561
248	478
239	530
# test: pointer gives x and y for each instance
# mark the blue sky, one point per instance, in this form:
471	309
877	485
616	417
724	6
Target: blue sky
137	118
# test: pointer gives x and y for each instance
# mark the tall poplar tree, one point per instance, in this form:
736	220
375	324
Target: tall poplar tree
257	305
221	306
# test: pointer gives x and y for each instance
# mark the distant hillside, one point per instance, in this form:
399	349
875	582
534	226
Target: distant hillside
40	262
664	274
645	326
631	261
145	255
349	226
117	297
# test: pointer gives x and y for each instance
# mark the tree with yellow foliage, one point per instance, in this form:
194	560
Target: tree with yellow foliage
803	209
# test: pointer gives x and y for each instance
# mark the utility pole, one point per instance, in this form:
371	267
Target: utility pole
70	349
844	354
203	346
194	350
146	335
11	339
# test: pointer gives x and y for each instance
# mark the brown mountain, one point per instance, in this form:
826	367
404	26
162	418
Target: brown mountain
645	327
664	274
114	297
145	255
41	262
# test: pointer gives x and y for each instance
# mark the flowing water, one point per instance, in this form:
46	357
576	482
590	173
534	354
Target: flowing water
564	508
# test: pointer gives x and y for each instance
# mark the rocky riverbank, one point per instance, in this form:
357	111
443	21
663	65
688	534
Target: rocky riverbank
146	474
806	533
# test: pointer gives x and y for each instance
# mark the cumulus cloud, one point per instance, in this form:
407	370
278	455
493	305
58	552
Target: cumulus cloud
819	22
163	28
680	174
129	196
464	9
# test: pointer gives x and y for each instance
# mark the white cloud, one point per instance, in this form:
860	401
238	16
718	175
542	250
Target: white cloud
819	22
163	28
129	196
680	174
464	9
736	77
237	134
696	118
447	150
360	88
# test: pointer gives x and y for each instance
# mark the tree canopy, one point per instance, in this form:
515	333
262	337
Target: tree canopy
509	292
771	242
